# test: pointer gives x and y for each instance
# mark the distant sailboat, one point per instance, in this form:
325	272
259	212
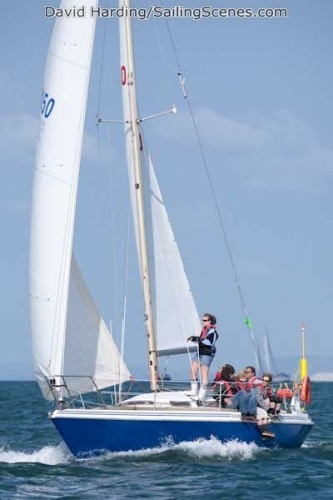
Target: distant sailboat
270	364
75	358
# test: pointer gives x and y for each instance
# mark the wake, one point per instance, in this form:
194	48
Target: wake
200	449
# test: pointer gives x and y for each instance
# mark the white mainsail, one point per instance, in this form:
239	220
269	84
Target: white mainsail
53	209
176	314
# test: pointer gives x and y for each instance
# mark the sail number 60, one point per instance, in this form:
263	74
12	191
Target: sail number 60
47	104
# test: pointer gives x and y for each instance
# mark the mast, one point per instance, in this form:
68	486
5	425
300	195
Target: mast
303	360
133	150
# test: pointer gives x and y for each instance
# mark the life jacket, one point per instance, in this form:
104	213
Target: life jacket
224	389
204	349
240	385
267	391
204	332
254	382
236	384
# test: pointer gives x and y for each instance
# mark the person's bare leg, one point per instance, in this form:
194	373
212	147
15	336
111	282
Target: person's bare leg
204	374
194	370
204	382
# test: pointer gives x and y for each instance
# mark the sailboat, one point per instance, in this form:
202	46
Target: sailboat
270	364
76	362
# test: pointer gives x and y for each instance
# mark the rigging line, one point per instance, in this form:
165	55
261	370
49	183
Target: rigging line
123	322
203	157
163	59
101	71
112	189
126	277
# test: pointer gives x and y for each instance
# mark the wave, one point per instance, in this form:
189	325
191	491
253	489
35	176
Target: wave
48	455
316	443
231	450
201	448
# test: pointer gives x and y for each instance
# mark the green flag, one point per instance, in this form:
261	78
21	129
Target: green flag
248	323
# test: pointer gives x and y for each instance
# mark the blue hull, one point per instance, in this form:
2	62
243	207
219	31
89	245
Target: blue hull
93	435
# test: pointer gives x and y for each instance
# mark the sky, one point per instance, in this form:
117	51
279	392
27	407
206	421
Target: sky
260	90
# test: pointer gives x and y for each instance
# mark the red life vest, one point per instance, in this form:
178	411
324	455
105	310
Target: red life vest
267	391
205	330
228	388
253	382
218	376
204	349
232	386
240	385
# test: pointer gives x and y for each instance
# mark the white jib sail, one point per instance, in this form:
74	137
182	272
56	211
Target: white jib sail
89	348
176	315
55	189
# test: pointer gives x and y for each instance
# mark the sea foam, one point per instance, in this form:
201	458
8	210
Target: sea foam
49	455
206	448
201	448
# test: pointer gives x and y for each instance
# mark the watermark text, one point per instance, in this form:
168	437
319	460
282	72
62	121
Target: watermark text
173	12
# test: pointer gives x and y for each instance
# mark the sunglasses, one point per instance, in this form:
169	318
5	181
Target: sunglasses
265	380
204	319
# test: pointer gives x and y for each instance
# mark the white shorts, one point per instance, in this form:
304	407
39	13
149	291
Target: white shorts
261	413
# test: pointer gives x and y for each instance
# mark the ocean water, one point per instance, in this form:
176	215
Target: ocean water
35	463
